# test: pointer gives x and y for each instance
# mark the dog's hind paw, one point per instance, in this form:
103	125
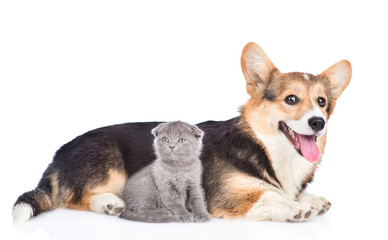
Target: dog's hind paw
107	203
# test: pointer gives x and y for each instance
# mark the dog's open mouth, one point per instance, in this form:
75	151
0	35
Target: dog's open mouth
306	145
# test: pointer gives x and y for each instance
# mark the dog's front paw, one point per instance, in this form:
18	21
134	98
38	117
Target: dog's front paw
320	203
323	205
302	212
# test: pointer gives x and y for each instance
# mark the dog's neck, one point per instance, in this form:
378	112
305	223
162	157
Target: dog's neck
292	170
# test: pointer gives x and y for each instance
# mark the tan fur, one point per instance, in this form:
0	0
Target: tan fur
114	184
60	197
321	144
263	115
242	192
256	66
55	189
82	205
245	127
44	201
339	75
268	88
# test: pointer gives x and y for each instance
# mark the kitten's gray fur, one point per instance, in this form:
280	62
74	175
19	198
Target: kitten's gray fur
169	189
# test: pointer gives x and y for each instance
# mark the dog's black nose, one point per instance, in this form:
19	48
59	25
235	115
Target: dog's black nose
317	123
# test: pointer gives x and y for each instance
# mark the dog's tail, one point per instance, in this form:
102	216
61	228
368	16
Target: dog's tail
34	202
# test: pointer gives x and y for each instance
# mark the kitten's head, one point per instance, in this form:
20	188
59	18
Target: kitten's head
177	141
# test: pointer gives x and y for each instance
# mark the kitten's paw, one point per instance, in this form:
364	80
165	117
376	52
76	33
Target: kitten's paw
107	203
186	217
163	212
202	217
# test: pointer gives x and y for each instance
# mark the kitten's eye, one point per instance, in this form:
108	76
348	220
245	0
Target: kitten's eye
291	99
321	101
182	140
165	140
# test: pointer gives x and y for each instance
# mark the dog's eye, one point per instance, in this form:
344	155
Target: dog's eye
291	100
165	140
321	101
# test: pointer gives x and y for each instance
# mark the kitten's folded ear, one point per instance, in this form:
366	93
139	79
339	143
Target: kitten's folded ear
156	130
198	133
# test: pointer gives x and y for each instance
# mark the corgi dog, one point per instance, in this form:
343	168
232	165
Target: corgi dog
255	166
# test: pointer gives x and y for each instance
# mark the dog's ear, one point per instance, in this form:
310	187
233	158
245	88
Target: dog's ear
339	76
257	68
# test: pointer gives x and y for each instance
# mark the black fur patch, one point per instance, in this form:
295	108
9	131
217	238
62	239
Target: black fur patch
235	150
328	107
84	162
269	95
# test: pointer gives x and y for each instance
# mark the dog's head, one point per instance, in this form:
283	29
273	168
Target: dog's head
293	106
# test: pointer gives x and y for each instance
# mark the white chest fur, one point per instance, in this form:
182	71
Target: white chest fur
290	167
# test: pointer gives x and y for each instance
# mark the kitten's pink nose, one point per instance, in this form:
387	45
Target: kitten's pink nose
171	147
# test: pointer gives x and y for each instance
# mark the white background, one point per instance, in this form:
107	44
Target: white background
71	66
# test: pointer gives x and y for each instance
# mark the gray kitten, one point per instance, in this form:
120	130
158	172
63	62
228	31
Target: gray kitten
169	189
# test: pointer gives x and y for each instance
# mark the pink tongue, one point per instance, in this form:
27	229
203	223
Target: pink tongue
309	148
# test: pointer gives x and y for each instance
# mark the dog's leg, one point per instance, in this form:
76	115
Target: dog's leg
272	206
320	203
104	197
105	203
